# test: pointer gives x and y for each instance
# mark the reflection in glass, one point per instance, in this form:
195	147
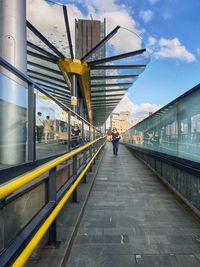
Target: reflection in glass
13	122
51	127
75	132
174	130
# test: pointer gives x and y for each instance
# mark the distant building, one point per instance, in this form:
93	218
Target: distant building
88	34
121	121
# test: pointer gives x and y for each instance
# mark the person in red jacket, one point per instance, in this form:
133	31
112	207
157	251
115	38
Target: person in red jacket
115	140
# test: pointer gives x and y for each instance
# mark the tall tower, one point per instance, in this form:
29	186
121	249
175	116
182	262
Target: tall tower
88	34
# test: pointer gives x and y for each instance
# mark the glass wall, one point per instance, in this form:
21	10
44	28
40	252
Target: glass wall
13	121
51	127
75	132
87	132
174	130
56	129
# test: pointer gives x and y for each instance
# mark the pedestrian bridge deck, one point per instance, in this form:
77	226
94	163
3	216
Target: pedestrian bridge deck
132	219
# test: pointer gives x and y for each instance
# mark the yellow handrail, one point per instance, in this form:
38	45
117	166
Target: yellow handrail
14	185
23	257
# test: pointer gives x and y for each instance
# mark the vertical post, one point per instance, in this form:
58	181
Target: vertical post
74	93
31	123
90	149
52	197
89	133
83	133
69	131
74	194
13	95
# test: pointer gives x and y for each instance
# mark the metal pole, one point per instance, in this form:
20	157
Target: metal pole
74	92
13	92
74	194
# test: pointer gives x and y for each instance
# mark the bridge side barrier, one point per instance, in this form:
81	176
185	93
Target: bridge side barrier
46	218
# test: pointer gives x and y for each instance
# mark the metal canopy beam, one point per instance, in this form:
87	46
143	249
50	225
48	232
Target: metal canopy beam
117	67
41	50
44	68
68	31
113	77
44	40
110	85
46	76
104	105
121	56
105	96
105	100
63	99
58	93
49	59
105	39
54	88
109	90
42	80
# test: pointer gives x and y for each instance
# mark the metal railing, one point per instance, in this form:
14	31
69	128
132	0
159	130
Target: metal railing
26	241
22	245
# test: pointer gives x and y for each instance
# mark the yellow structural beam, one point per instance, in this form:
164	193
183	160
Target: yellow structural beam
81	69
23	257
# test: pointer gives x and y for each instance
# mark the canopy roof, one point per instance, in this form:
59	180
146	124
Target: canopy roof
113	65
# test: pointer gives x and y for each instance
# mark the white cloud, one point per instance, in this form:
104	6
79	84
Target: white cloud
172	48
169	48
49	19
146	15
151	41
138	111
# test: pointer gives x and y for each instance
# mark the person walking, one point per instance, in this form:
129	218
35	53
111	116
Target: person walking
115	140
75	136
47	130
39	127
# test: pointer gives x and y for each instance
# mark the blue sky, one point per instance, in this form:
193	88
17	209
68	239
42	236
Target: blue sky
167	78
170	30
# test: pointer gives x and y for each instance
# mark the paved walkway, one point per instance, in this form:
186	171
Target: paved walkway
132	219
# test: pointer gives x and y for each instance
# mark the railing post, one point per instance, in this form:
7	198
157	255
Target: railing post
94	150
69	131
90	149
74	194
52	197
84	162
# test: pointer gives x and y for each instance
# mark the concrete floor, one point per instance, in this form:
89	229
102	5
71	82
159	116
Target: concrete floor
132	219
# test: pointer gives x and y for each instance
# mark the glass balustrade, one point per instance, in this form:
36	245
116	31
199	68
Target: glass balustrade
173	130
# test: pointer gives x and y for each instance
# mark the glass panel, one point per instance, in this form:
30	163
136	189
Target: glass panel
51	127
117	44
13	121
87	132
53	23
91	133
174	130
75	132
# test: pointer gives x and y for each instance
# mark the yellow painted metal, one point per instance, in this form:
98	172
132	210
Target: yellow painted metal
14	185
81	69
23	257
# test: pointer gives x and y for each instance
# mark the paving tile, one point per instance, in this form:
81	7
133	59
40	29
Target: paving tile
131	219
